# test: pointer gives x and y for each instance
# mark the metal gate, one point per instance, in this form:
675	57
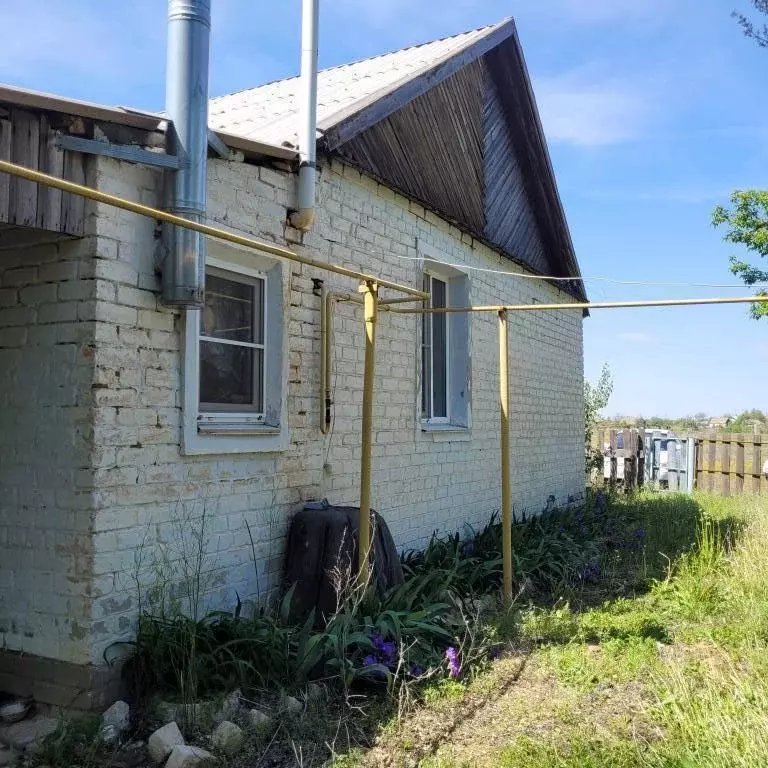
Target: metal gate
670	462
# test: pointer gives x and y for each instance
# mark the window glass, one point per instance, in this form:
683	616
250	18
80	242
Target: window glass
232	344
439	352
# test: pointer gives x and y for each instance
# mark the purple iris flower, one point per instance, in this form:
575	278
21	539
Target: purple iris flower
468	548
370	660
388	649
454	667
494	653
377	640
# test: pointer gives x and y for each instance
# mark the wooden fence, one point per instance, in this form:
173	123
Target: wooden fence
731	464
625	465
726	464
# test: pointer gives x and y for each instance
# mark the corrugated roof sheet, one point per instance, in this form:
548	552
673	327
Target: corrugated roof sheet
269	113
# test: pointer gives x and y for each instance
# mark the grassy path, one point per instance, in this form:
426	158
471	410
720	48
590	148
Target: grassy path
663	663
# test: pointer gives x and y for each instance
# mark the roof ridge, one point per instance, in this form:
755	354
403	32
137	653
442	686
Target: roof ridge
499	23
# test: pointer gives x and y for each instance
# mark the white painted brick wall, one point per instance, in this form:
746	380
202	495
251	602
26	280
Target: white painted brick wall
138	482
46	372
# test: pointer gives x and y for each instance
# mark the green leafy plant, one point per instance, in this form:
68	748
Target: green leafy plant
596	397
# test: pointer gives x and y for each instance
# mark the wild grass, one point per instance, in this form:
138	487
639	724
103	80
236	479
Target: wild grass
694	638
643	622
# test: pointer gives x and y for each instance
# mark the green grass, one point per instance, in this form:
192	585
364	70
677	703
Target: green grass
648	648
662	661
694	635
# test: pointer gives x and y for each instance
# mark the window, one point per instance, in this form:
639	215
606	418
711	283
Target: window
234	357
434	354
445	349
232	344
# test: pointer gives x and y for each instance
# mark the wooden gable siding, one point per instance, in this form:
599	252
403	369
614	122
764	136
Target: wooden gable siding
510	221
432	148
507	73
28	138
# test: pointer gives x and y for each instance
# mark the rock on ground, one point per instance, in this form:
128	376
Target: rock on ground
119	716
13	711
189	757
227	737
26	734
259	719
292	705
7	757
162	742
229	707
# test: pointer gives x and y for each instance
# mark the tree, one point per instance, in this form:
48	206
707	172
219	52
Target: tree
596	397
747	216
747	222
758	34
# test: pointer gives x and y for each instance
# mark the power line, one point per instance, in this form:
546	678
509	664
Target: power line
553	278
525	275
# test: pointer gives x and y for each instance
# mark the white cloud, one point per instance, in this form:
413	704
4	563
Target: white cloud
578	109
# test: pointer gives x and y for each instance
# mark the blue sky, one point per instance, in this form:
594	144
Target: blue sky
654	110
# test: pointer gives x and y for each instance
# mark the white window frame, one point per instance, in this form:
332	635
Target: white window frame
429	275
457	424
212	413
210	431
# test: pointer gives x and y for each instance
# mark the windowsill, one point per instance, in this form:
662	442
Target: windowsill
446	432
237	429
204	439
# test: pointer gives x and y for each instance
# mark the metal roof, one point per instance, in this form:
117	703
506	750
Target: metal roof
133	118
269	113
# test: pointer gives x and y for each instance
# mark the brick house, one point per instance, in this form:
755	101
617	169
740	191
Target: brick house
117	412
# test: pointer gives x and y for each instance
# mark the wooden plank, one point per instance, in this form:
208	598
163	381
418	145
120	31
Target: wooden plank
73	206
726	467
738	478
341	129
757	464
614	462
630	463
699	478
52	162
712	453
6	133
25	150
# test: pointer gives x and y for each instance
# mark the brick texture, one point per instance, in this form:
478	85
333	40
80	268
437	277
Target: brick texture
110	437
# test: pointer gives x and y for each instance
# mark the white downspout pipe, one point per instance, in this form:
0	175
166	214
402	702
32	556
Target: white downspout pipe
186	104
304	216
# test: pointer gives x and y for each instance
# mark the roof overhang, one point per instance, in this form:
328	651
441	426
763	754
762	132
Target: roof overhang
131	118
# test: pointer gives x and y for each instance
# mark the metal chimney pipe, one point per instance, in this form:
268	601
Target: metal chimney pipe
304	216
186	104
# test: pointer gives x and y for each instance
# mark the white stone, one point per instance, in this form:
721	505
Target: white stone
292	705
229	708
118	716
259	720
27	734
14	711
110	734
184	756
227	737
163	740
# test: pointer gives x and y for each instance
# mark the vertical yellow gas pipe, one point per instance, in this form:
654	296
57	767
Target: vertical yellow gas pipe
325	321
506	490
371	295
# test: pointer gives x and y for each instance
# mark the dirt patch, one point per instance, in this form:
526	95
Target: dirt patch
522	700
